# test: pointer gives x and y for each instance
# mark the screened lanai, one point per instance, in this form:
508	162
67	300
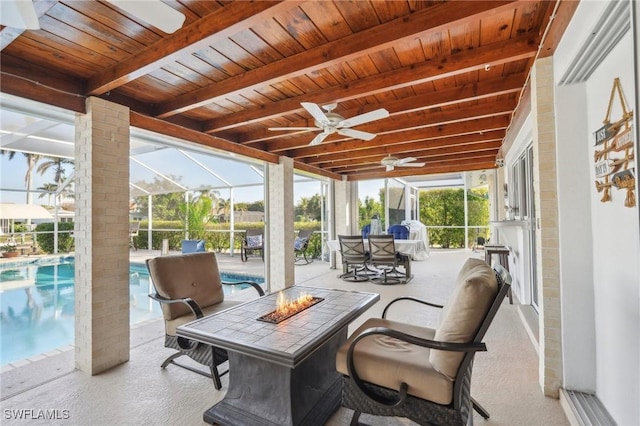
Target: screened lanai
158	164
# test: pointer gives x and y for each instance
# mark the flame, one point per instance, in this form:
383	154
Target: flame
286	307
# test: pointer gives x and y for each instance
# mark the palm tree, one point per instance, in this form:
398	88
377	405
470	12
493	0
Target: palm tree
57	164
49	189
32	159
224	206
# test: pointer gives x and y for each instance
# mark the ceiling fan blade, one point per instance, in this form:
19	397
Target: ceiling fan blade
319	138
364	118
357	134
316	112
411	164
295	128
405	160
19	14
389	168
155	12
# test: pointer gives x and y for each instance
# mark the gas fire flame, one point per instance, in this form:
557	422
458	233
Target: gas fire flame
286	307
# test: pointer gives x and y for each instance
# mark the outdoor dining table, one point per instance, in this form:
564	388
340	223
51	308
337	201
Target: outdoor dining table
281	374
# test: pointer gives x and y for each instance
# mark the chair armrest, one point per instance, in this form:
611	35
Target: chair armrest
413	299
195	308
402	392
255	285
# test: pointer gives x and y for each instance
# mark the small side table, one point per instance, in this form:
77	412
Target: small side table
503	259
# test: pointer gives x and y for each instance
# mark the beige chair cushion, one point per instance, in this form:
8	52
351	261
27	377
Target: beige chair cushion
463	313
388	362
171	325
193	275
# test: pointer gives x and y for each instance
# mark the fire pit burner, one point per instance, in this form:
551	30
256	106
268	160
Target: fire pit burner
288	309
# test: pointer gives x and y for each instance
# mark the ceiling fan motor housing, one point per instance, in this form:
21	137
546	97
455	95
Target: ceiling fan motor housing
389	160
334	120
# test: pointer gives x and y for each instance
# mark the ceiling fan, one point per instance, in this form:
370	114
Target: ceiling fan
390	162
331	122
22	14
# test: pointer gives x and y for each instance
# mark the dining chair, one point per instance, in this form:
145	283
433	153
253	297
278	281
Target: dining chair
354	258
385	258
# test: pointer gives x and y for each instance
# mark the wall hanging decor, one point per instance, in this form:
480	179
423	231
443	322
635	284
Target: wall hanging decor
614	159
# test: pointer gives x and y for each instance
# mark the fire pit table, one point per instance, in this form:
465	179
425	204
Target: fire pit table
281	374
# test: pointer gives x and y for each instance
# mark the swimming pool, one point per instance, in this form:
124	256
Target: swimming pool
37	304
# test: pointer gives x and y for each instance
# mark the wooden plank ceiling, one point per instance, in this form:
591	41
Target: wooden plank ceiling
449	73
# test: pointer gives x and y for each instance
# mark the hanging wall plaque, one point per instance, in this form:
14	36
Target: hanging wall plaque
614	157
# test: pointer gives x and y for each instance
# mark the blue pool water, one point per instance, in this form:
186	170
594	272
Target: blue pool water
37	305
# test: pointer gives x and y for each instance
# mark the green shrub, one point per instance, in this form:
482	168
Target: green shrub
66	242
216	236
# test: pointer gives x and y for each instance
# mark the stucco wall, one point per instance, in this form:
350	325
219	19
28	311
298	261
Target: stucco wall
614	317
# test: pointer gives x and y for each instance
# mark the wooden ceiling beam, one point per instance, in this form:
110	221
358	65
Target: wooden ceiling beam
438	159
403	129
447	130
498	53
221	24
170	129
421	154
443	167
455	95
19	78
419	24
409	148
315	170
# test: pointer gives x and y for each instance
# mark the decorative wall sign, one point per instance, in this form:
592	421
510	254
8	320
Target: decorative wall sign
614	162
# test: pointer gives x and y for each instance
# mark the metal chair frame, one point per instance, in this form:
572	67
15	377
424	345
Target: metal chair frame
355	257
246	249
385	258
362	396
204	354
301	252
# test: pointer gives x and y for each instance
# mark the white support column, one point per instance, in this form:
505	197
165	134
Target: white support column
102	236
341	213
280	223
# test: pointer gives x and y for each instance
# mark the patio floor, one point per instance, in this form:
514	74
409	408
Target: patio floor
505	379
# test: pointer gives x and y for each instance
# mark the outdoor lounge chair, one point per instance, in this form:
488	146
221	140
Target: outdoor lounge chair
301	244
188	286
397	369
253	241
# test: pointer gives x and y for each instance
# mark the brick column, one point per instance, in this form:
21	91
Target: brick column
101	236
547	242
280	223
